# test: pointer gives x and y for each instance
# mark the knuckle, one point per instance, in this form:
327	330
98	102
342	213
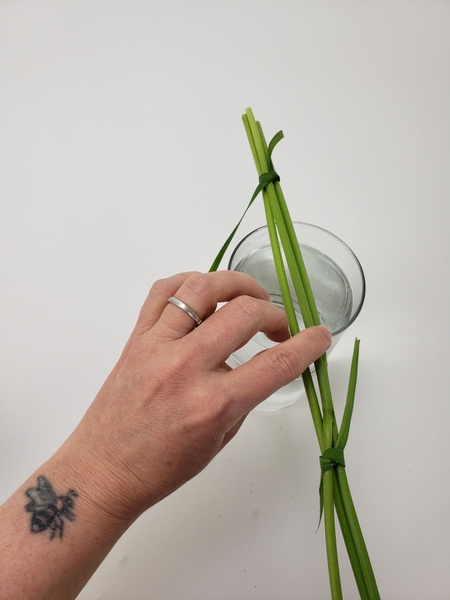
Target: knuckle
161	287
247	305
199	284
310	345
285	363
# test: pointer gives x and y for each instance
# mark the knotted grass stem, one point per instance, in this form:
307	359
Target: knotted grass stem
276	222
340	442
261	161
260	158
342	489
336	491
296	266
260	150
287	236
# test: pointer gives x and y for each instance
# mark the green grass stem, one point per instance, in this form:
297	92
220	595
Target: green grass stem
251	142
342	438
330	537
297	253
314	407
357	535
280	270
349	541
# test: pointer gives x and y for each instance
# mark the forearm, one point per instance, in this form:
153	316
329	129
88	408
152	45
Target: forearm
51	545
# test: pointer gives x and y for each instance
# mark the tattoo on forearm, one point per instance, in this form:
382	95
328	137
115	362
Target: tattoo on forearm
48	510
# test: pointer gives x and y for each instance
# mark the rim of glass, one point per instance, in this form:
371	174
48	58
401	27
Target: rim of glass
356	259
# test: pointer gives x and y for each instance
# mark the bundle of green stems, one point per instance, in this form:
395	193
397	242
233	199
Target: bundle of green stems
335	496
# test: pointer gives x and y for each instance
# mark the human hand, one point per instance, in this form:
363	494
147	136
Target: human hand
171	403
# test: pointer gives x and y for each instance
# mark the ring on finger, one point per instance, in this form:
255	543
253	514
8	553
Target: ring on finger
184	307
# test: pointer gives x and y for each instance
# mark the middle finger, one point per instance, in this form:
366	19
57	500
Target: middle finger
234	325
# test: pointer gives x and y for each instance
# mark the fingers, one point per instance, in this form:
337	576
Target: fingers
201	293
234	325
265	373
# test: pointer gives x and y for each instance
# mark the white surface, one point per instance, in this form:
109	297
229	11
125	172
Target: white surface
123	159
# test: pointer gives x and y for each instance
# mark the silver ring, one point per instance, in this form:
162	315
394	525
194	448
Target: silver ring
186	309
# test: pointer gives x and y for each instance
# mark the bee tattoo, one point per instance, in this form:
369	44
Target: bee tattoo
48	510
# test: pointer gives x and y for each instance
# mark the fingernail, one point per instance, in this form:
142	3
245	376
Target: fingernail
267	295
325	332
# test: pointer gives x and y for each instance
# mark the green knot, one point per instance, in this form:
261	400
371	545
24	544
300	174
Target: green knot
266	178
332	457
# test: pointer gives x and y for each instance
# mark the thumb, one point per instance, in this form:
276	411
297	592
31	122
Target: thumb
270	370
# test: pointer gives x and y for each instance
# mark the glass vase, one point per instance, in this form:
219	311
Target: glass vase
337	282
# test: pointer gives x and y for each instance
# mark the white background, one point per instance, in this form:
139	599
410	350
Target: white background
123	159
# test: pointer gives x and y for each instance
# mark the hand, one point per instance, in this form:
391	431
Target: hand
171	403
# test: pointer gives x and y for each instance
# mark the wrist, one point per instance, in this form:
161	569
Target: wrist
101	491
